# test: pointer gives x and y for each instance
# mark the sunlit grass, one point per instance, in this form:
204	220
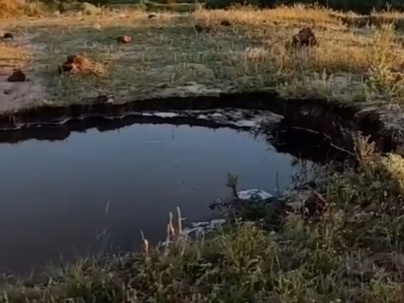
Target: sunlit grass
168	57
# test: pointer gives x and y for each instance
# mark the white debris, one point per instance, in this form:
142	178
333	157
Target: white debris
198	228
246	123
254	194
165	115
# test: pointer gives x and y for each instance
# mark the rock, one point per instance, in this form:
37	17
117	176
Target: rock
225	23
79	60
305	37
315	205
8	36
151	16
17	76
124	39
73	63
66	67
7	91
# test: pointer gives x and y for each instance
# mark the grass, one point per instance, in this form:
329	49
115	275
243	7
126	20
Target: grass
169	58
353	252
12	54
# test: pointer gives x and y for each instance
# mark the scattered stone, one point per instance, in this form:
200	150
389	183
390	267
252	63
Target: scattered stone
151	16
8	36
225	23
124	39
17	76
305	37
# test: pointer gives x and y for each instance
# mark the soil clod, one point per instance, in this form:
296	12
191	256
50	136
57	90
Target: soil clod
316	205
124	39
17	76
74	63
8	36
305	37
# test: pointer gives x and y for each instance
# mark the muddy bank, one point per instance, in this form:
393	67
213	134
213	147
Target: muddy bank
333	120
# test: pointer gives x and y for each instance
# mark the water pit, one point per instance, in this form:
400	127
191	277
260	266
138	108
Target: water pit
66	194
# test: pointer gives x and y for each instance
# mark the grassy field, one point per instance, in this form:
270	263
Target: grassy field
168	57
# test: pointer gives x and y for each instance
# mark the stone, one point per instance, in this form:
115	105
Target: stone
17	76
73	63
8	36
315	205
151	16
305	37
124	39
225	23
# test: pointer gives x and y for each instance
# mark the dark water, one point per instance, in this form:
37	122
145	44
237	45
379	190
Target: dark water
58	197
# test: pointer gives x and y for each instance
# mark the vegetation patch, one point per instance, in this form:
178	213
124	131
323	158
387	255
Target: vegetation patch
210	51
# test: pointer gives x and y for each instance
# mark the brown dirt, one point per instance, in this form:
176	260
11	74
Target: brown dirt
14	95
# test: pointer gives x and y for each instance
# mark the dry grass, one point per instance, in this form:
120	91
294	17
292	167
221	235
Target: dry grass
11	54
169	58
17	8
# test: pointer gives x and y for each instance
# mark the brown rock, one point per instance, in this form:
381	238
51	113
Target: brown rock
8	36
315	205
225	23
151	16
74	63
17	76
305	37
67	67
70	59
81	61
124	39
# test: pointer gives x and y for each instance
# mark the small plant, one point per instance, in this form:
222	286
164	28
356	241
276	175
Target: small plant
364	149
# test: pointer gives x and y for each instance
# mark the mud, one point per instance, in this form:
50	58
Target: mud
330	119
